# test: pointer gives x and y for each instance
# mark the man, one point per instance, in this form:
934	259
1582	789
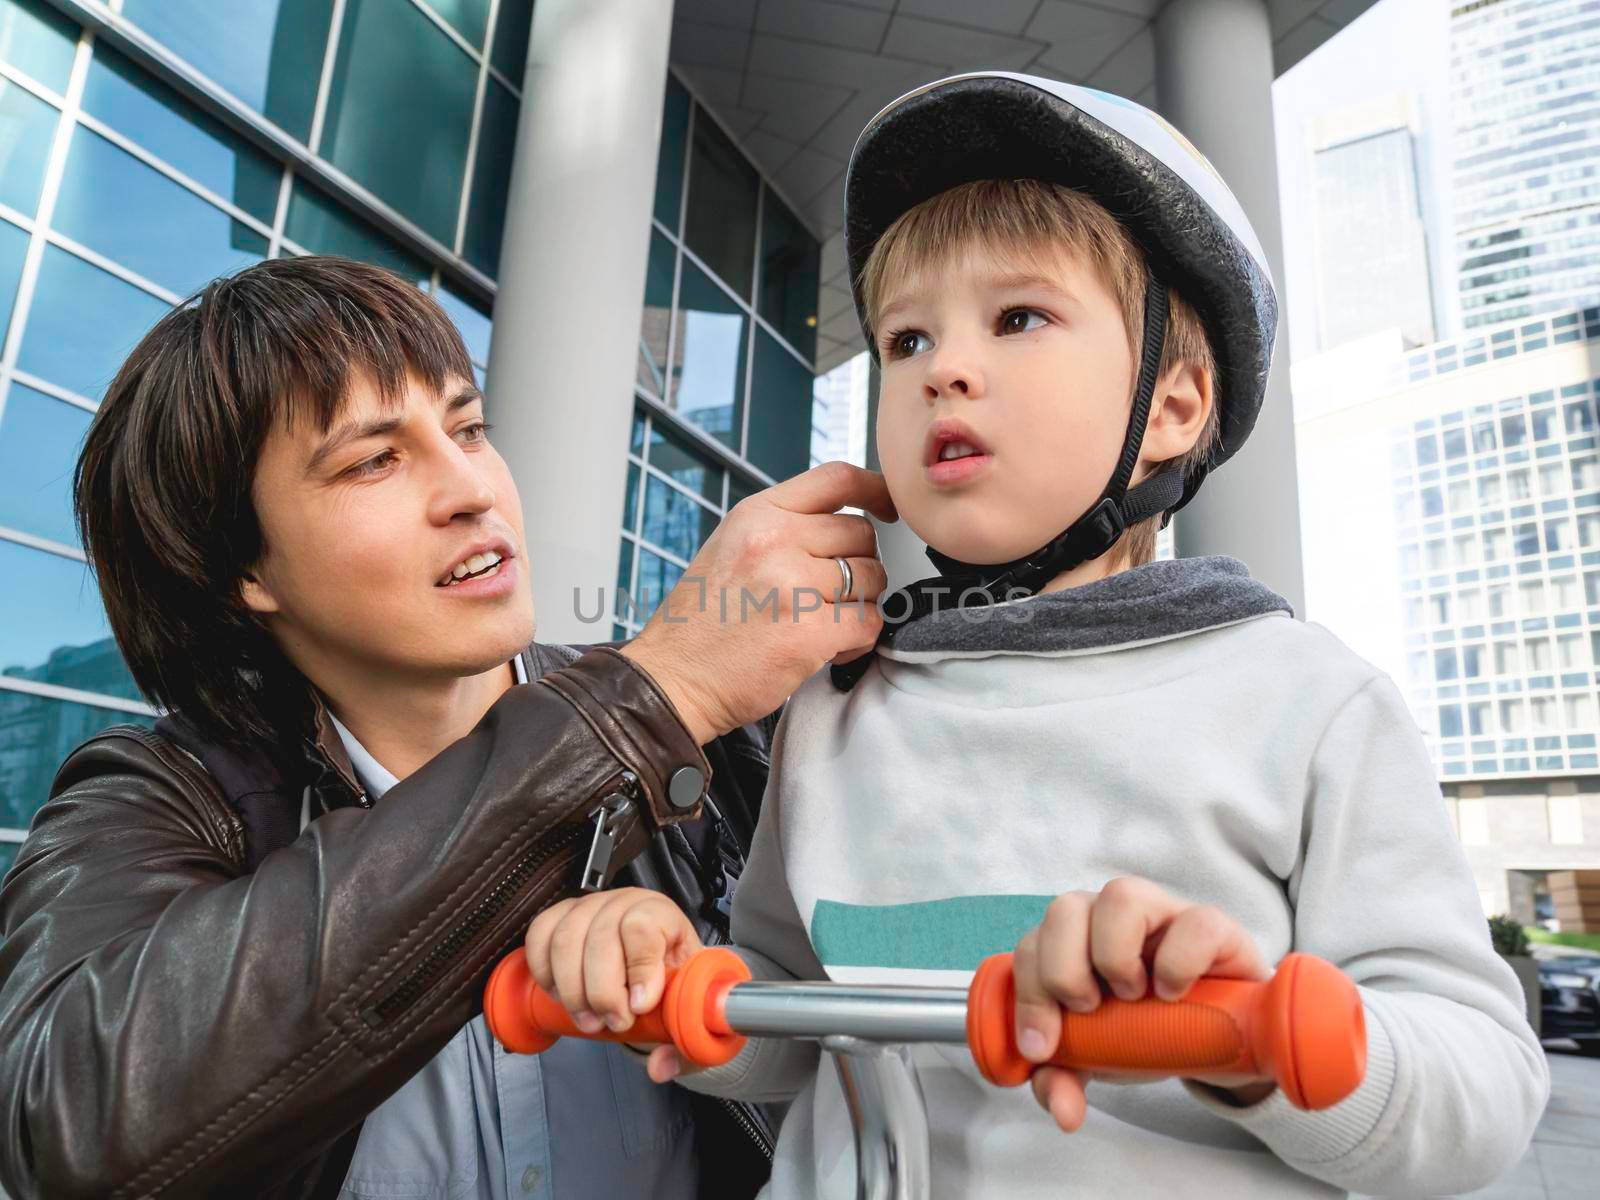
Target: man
244	952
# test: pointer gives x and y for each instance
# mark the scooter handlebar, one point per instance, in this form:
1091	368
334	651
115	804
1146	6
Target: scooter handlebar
1303	1029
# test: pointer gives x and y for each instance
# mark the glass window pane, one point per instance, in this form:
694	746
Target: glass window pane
13	248
323	227
657	577
511	25
161	121
40	733
739	490
55	630
673	521
491	180
38	41
657	321
671	455
780	410
707	378
669	159
720	225
385	50
630	500
469	18
27	126
40	437
471	320
134	215
791	261
622	602
8	850
83	323
266	52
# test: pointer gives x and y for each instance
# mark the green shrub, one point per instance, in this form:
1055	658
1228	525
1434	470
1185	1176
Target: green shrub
1508	936
1583	941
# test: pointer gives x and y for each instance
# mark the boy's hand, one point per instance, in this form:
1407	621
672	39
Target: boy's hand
1130	934
605	957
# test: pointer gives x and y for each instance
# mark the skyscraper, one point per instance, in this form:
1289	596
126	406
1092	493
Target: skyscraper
1368	224
1526	94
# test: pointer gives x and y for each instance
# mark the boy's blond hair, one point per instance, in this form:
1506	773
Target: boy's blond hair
1020	219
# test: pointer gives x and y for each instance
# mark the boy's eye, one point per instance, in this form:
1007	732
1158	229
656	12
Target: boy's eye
906	343
477	432
1021	320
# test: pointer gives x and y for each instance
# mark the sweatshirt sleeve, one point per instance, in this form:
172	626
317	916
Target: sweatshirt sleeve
769	935
1456	1080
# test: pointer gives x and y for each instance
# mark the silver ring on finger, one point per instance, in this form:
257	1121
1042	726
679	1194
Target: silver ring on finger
847	579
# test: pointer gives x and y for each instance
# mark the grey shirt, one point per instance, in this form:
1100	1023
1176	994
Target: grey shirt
577	1121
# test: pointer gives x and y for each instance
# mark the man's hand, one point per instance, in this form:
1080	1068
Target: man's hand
1129	935
758	611
605	958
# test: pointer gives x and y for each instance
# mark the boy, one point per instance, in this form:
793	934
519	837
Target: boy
1137	773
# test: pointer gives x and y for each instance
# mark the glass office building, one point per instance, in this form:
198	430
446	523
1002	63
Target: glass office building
1526	95
146	153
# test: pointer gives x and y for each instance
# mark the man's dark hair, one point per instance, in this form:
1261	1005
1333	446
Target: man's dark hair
162	490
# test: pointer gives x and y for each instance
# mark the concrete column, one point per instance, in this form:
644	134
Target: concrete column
571	289
1214	75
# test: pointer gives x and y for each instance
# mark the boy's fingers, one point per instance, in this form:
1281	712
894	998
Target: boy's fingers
1125	914
566	965
605	972
664	1064
1038	1016
1060	1093
1064	952
536	946
1203	941
649	933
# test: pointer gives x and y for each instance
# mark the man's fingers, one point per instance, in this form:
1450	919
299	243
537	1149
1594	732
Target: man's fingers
1125	914
1060	1093
1038	1017
867	580
1203	941
838	535
832	486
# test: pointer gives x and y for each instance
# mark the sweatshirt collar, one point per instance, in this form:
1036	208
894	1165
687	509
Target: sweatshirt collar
1150	603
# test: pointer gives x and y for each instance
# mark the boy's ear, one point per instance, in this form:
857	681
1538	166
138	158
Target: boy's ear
255	595
1178	413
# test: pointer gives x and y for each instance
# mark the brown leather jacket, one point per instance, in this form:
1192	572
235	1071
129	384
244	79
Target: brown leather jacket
195	999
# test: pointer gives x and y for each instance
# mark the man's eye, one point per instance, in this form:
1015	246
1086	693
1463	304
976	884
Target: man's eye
478	431
373	465
1021	320
907	343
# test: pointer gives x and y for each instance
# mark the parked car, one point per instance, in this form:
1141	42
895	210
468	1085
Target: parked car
1569	995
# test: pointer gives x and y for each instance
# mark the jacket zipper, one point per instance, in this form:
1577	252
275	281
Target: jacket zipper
742	1119
487	910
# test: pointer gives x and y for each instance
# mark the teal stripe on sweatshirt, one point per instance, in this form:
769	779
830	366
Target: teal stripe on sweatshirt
954	934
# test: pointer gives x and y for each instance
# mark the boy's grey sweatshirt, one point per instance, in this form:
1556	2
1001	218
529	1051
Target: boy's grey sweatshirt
1172	722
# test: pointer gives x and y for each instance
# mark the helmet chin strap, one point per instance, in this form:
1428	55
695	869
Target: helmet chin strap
972	585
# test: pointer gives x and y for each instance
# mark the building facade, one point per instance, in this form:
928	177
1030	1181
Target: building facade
1452	501
1368	224
1526	95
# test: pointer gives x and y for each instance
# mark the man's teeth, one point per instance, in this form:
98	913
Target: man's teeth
472	566
956	450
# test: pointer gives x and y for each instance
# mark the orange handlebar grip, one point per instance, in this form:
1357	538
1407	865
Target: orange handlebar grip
526	1019
1303	1029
